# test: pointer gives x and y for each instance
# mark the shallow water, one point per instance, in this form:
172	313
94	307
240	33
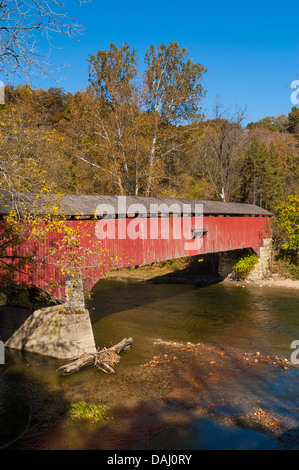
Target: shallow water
179	404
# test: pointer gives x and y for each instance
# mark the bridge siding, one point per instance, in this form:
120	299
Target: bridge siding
224	234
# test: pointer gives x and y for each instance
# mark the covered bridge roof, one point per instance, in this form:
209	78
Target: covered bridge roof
86	205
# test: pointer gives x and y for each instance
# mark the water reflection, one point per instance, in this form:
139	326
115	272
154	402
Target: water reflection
175	405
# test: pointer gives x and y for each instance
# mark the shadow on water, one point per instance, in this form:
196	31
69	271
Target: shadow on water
28	410
11	318
171	408
186	410
199	401
132	294
110	296
179	311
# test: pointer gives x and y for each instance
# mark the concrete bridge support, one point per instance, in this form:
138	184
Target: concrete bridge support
54	332
261	269
60	331
74	293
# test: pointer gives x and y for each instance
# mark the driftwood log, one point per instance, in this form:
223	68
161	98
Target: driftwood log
104	359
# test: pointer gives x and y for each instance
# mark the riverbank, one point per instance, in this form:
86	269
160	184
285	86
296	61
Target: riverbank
178	271
275	281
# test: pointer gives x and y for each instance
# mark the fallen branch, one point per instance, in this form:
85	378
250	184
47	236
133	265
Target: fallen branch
104	359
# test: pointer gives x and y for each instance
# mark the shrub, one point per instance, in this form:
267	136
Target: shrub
245	265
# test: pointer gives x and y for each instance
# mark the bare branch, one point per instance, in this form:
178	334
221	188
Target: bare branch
23	24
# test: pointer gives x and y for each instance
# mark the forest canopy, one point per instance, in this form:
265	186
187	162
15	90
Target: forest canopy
147	135
142	135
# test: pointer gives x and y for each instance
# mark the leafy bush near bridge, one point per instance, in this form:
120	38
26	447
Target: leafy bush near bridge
245	265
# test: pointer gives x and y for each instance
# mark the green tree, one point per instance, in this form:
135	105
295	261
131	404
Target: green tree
263	176
287	222
279	123
293	117
135	123
112	113
173	91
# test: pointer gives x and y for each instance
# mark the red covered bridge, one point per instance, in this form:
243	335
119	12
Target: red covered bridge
138	231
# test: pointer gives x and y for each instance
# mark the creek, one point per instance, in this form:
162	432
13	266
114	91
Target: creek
193	378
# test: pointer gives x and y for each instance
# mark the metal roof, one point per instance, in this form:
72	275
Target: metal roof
86	205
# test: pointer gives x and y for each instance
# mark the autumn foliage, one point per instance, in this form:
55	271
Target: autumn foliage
135	134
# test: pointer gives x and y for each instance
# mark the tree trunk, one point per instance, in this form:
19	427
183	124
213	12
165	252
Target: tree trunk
104	360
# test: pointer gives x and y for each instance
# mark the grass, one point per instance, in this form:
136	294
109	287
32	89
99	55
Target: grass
88	412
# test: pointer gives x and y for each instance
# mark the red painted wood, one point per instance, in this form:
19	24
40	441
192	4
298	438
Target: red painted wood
223	234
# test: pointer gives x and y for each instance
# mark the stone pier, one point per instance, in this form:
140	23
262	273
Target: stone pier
74	293
261	269
60	331
229	258
53	332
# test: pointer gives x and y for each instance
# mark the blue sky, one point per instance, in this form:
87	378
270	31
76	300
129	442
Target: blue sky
251	49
